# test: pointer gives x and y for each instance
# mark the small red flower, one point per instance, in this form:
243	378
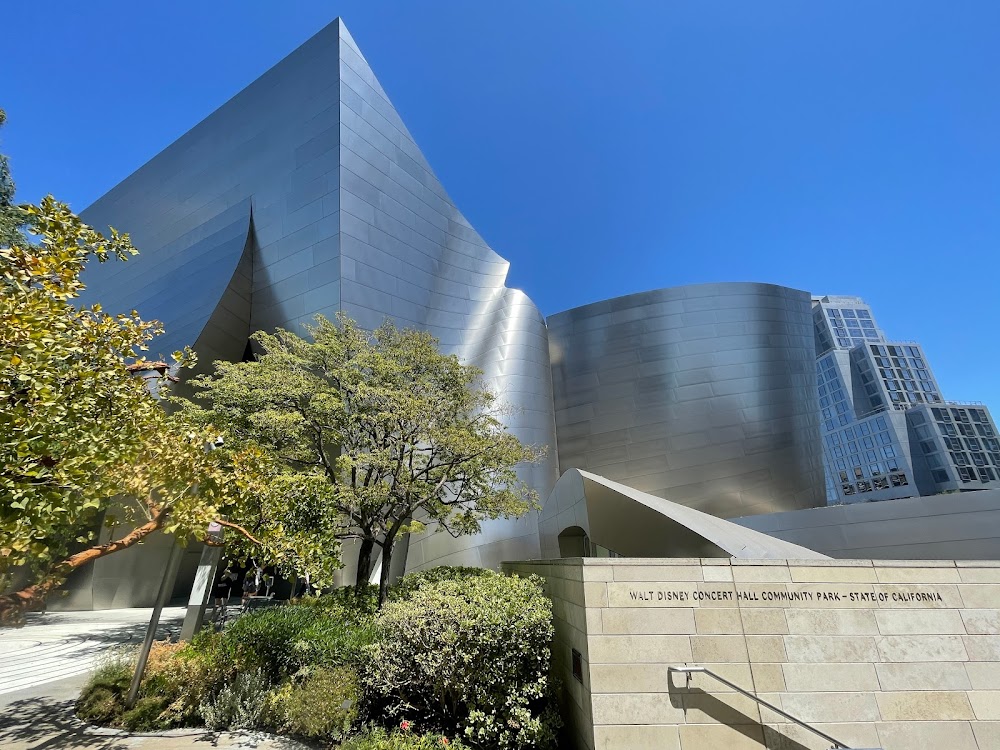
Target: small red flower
404	725
444	742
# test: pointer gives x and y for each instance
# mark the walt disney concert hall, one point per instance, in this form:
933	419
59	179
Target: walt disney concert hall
305	194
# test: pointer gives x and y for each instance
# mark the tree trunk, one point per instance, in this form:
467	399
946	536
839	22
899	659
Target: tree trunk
383	579
14	606
364	566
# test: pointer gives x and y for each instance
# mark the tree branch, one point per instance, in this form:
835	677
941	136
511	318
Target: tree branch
237	527
32	598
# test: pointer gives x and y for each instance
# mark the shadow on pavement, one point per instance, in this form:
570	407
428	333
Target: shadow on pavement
43	723
50	724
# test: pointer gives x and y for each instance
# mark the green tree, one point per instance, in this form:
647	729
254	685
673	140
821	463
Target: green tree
9	215
283	522
77	429
79	433
377	432
83	438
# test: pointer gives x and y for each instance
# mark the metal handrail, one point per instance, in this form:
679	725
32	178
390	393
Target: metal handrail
704	670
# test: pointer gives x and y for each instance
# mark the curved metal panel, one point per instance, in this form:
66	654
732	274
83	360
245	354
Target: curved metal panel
636	524
703	395
346	215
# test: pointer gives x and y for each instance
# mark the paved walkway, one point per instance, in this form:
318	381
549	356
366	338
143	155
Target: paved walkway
56	645
42	718
44	665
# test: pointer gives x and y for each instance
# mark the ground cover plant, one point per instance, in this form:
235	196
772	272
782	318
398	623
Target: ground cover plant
457	657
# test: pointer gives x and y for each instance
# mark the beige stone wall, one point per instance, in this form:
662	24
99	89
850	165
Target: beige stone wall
891	654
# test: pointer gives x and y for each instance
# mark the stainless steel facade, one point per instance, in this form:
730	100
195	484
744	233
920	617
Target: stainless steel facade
704	395
305	194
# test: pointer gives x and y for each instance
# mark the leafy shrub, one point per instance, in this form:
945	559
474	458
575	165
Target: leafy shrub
330	642
468	653
185	675
322	704
146	715
406	585
102	700
240	704
114	664
283	640
354	605
379	739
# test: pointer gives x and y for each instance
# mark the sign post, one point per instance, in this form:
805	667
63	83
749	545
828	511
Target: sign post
201	592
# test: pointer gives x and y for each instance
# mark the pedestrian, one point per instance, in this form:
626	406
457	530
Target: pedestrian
249	588
224	588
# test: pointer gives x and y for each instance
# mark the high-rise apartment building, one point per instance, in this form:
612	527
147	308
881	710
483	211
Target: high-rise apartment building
887	430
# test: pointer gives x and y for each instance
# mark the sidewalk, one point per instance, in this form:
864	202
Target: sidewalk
44	664
41	718
56	645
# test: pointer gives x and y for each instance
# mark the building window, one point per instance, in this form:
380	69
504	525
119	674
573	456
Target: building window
940	476
898	480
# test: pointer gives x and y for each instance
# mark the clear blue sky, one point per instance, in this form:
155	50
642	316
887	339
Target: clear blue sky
604	148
